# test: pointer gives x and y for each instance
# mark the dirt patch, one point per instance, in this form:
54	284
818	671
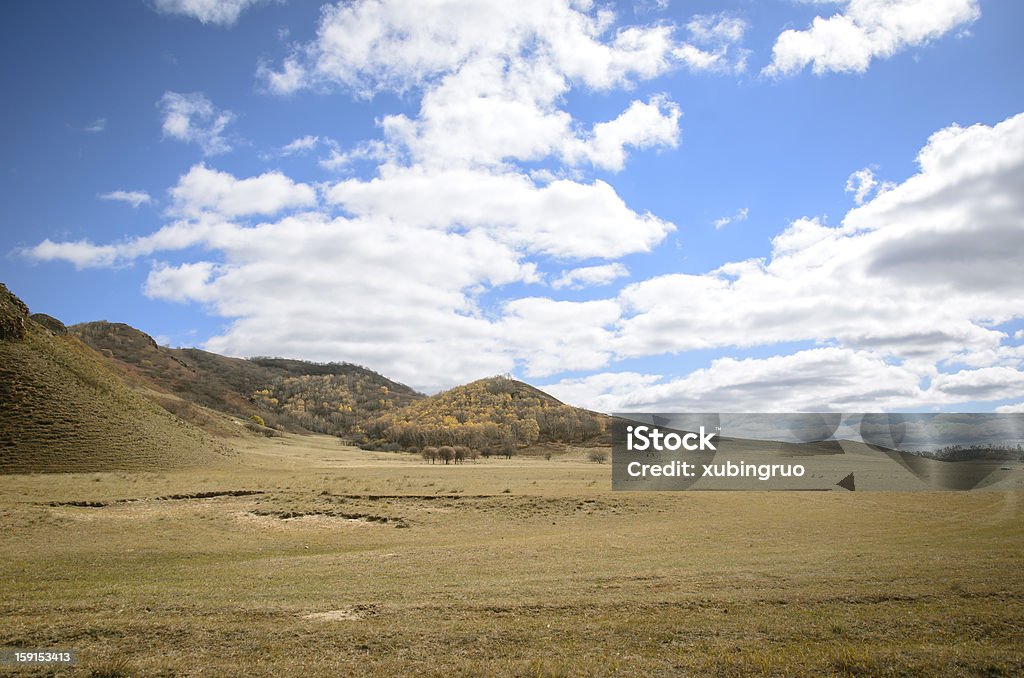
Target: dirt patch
170	497
320	519
344	614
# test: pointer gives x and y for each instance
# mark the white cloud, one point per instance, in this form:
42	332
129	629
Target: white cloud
642	125
96	126
1001	355
740	215
507	63
204	189
591	276
181	283
561	219
371	291
80	253
220	12
556	336
861	183
813	380
1011	409
369	150
866	30
644	6
133	198
602	392
987	383
300	145
713	43
381	45
193	118
289	79
922	272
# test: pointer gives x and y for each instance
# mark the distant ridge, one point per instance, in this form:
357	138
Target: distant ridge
63	409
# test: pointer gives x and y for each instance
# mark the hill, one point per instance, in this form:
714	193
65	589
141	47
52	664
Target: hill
495	413
63	409
333	398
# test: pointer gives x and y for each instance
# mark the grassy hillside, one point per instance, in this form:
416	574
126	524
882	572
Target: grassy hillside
497	412
63	409
332	398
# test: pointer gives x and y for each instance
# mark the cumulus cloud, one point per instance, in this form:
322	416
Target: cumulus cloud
563	218
987	383
219	12
181	283
865	30
556	336
193	118
378	45
498	62
204	189
133	198
642	125
369	290
923	271
80	253
591	276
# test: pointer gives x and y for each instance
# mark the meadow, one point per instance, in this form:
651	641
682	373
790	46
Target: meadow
300	556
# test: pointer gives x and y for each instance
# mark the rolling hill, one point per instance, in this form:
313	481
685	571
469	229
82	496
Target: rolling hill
63	409
106	395
296	395
497	413
342	398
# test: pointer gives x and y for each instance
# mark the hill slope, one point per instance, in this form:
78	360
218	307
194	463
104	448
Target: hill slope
497	412
63	409
332	398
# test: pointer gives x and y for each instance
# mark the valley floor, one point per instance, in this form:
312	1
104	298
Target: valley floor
309	558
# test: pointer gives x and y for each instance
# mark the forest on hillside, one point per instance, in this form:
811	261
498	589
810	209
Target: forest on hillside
496	414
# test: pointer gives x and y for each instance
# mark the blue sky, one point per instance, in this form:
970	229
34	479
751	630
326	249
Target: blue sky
730	206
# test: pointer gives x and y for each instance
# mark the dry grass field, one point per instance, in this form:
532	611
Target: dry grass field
314	559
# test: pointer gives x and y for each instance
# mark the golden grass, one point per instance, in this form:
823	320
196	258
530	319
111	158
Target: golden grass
345	562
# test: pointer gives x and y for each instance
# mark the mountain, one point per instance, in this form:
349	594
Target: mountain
200	388
297	395
62	408
495	413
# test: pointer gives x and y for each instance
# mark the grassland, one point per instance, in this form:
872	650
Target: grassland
62	408
309	558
